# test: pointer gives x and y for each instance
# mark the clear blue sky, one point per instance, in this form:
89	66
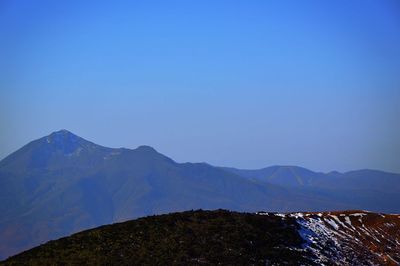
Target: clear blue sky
235	83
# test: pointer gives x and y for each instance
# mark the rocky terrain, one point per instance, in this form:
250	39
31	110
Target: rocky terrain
349	237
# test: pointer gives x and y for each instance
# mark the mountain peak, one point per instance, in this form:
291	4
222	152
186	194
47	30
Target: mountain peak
62	132
62	135
67	142
145	148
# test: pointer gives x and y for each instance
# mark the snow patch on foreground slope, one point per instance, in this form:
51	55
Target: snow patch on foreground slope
348	238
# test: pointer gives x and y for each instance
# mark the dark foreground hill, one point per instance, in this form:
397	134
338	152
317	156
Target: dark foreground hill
229	238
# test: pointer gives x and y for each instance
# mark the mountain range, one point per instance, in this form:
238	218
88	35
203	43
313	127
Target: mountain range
61	184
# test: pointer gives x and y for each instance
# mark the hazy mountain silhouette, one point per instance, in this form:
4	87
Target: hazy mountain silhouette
61	184
362	189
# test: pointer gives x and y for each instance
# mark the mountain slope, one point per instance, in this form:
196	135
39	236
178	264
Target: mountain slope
61	184
189	238
230	238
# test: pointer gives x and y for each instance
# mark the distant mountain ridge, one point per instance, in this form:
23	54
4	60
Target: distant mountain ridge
61	184
295	176
363	189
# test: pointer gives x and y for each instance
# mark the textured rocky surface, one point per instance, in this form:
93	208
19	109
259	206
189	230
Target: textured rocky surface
349	237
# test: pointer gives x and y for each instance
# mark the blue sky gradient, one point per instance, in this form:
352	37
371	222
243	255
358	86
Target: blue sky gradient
234	83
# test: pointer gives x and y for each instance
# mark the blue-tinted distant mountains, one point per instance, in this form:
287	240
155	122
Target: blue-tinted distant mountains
361	189
61	184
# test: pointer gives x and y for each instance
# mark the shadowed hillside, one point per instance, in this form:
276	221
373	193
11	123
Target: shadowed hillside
189	238
229	238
